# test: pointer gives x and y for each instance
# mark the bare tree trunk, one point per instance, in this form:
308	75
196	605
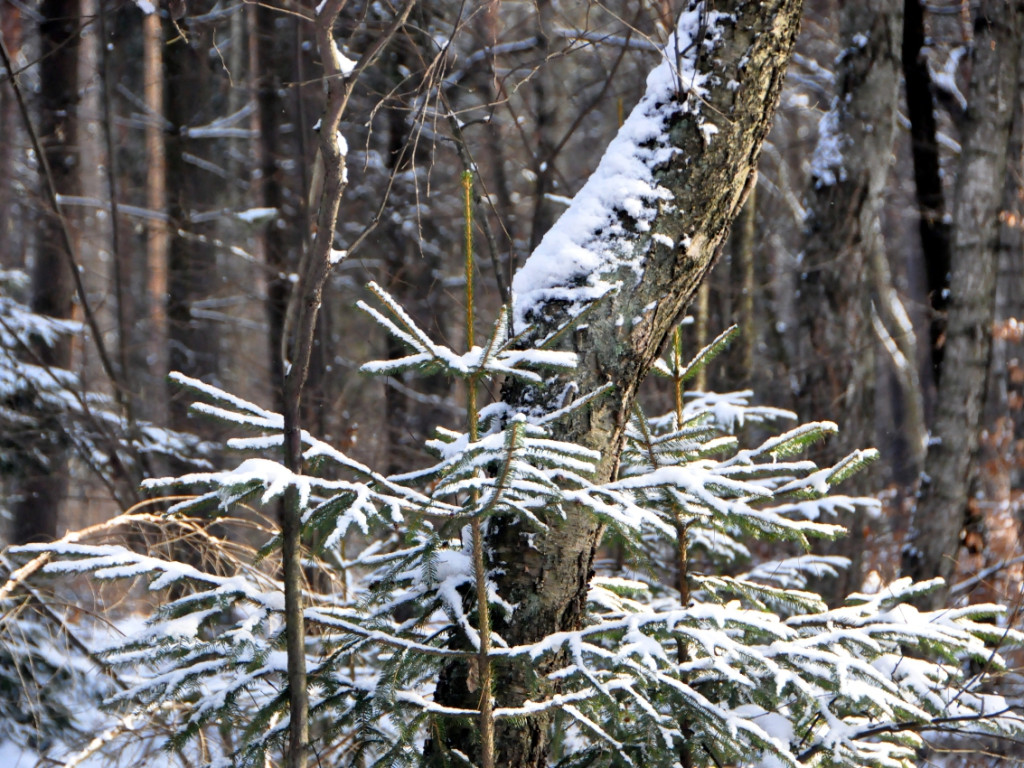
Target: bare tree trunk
1010	302
191	258
10	220
708	179
934	537
844	246
492	92
156	202
298	345
743	276
283	236
702	311
928	188
43	483
545	110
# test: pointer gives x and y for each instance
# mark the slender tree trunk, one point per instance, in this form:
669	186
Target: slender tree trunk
744	241
283	236
702	311
708	179
301	326
545	111
934	537
156	202
492	92
43	483
10	220
928	187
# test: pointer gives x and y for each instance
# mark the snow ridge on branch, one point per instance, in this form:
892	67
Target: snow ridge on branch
578	258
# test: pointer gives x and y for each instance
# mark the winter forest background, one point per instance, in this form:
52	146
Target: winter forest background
428	507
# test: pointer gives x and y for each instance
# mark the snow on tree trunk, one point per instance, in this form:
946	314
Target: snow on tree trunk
609	281
934	537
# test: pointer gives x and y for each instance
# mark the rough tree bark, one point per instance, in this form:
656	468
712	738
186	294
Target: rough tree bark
934	536
708	176
848	175
844	273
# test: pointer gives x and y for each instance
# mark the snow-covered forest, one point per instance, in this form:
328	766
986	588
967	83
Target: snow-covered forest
551	383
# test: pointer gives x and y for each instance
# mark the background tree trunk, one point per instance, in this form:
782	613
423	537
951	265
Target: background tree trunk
43	481
189	101
844	253
155	408
545	110
10	206
928	187
284	235
743	276
413	266
934	537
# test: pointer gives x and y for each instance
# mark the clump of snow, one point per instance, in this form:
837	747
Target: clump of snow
730	410
344	64
342	145
575	261
827	161
256	215
945	77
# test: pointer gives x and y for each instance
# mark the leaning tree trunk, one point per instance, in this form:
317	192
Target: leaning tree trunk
631	260
934	537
